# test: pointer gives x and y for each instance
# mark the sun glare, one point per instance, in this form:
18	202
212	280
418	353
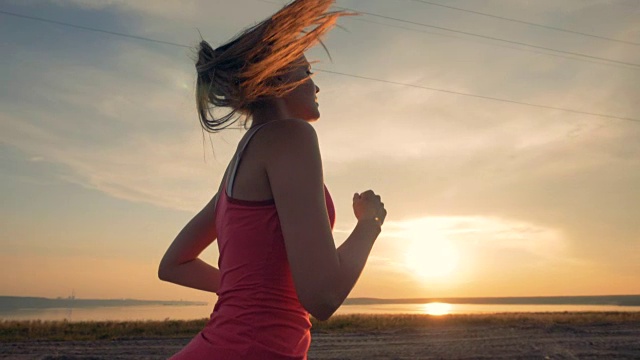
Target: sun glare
437	308
431	257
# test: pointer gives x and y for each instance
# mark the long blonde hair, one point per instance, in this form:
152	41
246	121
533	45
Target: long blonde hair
241	72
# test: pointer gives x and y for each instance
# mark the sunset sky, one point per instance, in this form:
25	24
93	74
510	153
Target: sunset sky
103	162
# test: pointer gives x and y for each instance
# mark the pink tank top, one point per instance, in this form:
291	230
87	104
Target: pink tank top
258	314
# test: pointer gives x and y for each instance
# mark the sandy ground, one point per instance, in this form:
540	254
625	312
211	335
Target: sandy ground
440	342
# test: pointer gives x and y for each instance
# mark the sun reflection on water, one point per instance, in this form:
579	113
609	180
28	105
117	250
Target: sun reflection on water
437	308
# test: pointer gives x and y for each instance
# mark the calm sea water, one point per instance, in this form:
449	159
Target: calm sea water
159	312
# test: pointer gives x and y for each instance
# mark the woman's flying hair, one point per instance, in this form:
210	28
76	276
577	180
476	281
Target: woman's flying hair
241	72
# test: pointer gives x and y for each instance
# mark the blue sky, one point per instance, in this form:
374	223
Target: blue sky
103	159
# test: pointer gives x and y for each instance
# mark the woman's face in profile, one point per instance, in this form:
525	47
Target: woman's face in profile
302	101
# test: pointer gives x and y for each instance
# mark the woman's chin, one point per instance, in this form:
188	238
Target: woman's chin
313	116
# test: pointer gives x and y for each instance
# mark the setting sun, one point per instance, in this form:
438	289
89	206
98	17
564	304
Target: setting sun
432	257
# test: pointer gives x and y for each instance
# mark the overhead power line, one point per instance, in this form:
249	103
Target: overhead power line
328	71
480	96
534	51
91	29
527	23
488	37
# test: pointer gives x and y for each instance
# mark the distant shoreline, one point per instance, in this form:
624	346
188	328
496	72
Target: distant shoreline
611	300
11	303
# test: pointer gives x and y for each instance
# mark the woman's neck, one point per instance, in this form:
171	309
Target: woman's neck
272	110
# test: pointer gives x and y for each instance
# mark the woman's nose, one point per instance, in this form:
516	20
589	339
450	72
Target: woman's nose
317	89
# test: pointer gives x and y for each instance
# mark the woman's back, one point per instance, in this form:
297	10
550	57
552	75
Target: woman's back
258	314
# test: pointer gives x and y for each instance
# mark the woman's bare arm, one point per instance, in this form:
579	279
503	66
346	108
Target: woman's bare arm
323	276
180	264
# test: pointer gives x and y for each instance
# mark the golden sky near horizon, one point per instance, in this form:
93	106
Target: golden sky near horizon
103	160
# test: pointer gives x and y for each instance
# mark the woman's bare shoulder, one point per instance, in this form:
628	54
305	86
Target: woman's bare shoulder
283	135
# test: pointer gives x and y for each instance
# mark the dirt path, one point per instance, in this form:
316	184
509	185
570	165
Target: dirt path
441	342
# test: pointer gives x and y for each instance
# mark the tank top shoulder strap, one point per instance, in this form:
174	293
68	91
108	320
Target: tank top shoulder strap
238	156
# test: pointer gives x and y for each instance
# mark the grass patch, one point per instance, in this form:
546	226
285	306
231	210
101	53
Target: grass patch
11	331
359	322
96	330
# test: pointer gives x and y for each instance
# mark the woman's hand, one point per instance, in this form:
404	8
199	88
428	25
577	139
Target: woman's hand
368	205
